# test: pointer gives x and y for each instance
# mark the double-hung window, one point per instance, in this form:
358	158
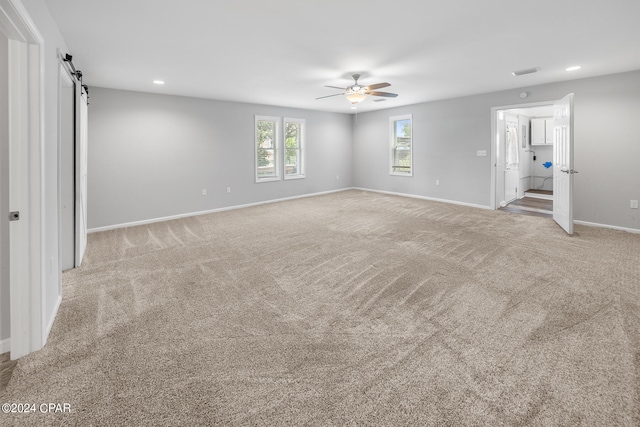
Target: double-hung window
401	145
277	154
294	136
267	148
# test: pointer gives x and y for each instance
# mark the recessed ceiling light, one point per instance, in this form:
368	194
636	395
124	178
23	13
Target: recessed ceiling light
158	82
574	68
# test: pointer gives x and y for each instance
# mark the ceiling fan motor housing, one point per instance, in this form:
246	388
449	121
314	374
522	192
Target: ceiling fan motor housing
356	93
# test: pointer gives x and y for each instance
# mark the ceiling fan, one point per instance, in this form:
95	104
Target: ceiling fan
357	93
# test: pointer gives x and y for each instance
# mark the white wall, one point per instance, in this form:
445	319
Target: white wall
448	133
4	191
151	155
544	154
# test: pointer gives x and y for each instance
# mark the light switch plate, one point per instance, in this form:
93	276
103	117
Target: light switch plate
482	153
633	204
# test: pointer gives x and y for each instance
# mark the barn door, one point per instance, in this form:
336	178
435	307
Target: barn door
81	173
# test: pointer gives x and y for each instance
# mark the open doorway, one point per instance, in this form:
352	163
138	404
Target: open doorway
524	159
512	142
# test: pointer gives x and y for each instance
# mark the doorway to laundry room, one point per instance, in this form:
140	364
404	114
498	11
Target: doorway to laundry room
524	160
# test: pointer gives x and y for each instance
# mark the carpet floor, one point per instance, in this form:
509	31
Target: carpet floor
347	309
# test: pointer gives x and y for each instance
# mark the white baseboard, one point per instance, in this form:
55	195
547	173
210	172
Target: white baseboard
433	199
5	345
227	208
612	227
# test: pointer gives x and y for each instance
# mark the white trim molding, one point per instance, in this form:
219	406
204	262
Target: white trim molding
432	199
276	146
413	196
611	227
302	139
226	208
393	141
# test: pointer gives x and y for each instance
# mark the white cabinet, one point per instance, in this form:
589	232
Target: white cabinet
548	131
542	131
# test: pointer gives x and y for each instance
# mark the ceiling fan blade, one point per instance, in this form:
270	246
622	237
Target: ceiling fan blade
329	96
385	94
336	87
377	86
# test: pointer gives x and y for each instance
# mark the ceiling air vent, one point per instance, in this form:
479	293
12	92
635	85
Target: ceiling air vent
527	71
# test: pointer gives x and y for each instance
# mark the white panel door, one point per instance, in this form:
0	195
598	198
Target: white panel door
81	173
563	163
19	232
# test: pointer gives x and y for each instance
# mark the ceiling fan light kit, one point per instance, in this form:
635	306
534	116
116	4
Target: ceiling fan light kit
356	97
357	93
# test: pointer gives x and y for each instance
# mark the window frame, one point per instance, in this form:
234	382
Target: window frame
392	125
302	148
276	147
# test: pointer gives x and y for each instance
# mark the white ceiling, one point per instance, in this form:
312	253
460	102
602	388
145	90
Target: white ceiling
283	52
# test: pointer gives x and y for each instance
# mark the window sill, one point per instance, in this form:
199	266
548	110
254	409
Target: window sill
298	176
270	179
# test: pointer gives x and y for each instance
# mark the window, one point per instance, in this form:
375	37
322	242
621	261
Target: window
294	148
267	148
401	158
272	151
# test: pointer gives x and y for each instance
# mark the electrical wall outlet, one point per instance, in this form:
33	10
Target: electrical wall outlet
481	153
437	182
633	204
204	191
337	176
228	190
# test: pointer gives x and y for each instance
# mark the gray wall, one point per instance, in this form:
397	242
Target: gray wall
448	133
151	155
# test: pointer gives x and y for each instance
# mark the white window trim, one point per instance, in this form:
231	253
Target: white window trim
303	155
392	121
277	144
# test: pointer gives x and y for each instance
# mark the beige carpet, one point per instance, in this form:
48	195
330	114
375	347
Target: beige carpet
348	309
